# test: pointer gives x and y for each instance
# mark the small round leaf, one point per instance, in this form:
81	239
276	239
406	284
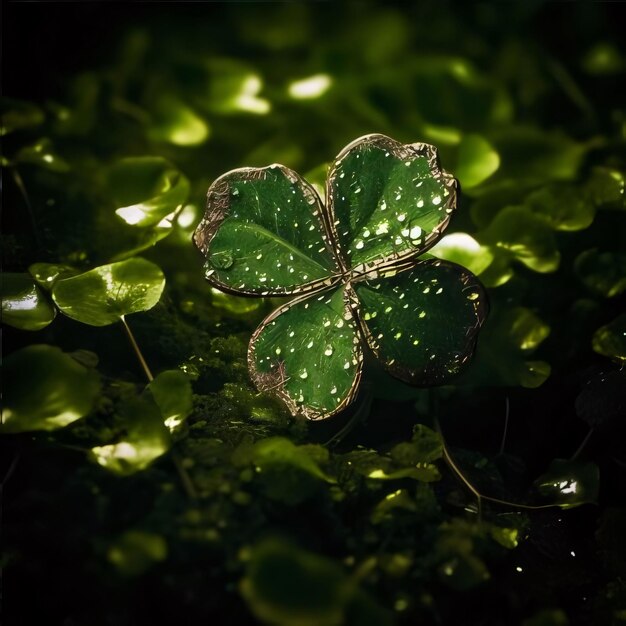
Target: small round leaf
24	304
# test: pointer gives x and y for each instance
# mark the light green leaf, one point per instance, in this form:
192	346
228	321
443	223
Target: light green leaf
464	250
105	294
610	340
45	389
147	189
42	154
477	161
173	395
175	122
24	304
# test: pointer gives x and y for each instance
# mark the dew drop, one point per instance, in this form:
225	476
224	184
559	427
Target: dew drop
333	391
304	374
359	245
397	336
309	345
422	315
473	296
329	350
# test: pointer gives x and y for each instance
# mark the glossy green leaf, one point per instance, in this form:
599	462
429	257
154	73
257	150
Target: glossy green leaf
525	237
105	294
477	161
172	393
145	439
45	389
387	201
607	188
147	189
610	340
562	207
603	273
42	154
263	233
570	483
464	250
24	304
308	353
175	122
18	114
286	585
136	551
47	274
422	324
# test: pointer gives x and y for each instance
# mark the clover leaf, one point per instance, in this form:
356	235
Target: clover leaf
354	266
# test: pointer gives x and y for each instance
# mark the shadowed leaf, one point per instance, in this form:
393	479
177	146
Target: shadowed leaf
24	304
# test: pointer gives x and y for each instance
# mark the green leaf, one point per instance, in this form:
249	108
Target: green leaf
607	188
562	207
145	439
17	114
464	250
47	274
525	237
45	389
570	483
105	294
387	201
604	273
173	395
135	552
42	154
147	189
308	354
24	304
422	324
175	122
610	340
288	586
263	233
477	161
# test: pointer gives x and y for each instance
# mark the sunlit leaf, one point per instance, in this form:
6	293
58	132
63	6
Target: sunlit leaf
607	188
42	154
105	294
610	340
388	201
263	233
47	274
24	304
175	122
146	189
136	551
464	250
310	88
173	395
286	585
425	447
308	353
422	324
562	207
570	483
145	439
235	305
477	161
603	273
18	114
45	389
525	237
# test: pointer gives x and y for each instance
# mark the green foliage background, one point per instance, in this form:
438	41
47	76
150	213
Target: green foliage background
228	510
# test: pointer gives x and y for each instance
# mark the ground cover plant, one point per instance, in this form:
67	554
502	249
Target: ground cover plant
146	479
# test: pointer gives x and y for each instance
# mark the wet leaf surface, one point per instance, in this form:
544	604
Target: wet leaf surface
24	304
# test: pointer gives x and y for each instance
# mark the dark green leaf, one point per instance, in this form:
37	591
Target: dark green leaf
42	154
610	340
18	114
45	389
562	207
422	324
387	201
147	190
570	483
47	274
105	294
24	304
172	393
602	272
308	354
263	233
136	551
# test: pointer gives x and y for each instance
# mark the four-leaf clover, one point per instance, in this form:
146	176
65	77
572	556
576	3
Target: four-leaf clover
354	266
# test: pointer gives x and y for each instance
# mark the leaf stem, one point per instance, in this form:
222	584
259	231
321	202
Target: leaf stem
581	447
133	343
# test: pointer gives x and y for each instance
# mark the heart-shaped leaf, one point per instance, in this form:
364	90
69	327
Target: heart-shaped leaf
107	293
147	189
24	304
45	389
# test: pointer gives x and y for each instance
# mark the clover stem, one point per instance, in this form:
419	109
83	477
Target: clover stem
133	343
185	479
19	183
480	496
581	447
